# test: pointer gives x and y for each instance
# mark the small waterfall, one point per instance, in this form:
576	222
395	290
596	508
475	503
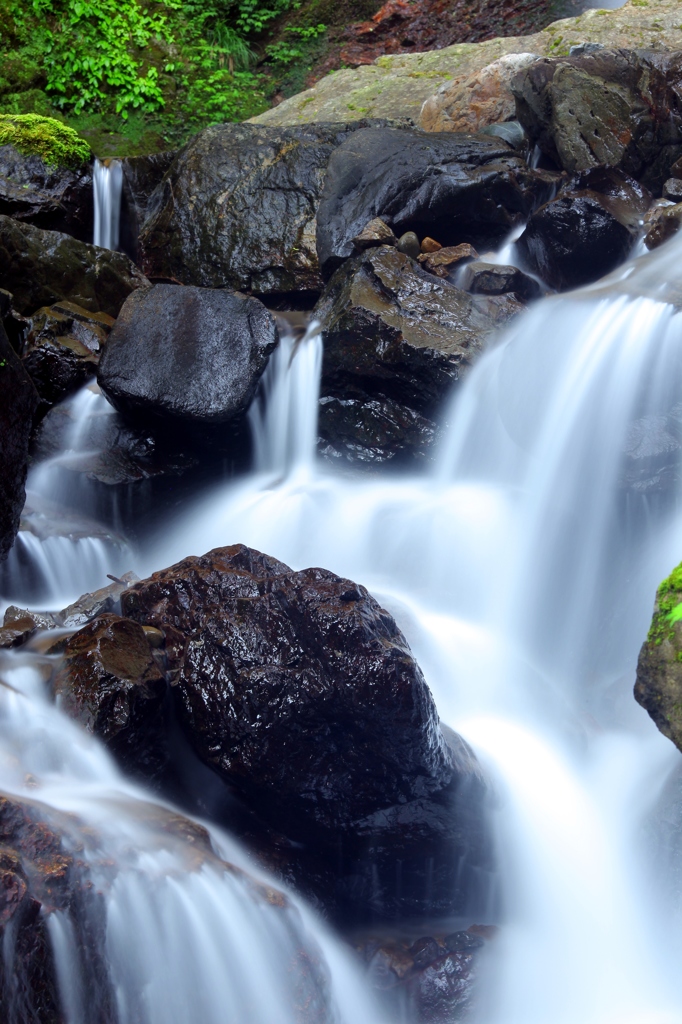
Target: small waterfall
186	935
58	554
107	179
283	418
523	572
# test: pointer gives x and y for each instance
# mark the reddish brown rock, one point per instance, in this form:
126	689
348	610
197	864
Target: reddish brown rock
443	260
474	101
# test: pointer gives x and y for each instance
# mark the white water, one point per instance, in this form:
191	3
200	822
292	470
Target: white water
523	576
107	180
524	579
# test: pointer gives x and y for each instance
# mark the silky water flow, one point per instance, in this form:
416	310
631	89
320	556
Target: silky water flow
523	570
107	180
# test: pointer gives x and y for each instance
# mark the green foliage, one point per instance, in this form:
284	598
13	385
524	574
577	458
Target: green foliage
284	52
91	52
51	140
253	15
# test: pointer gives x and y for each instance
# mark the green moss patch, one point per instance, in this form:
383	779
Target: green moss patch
668	607
52	141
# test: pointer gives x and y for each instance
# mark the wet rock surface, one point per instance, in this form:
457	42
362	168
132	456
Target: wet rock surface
18	404
428	980
453	187
56	198
109	682
61	348
191	355
621	108
141	176
237	209
299	691
43	267
396	339
39	873
481	278
573	240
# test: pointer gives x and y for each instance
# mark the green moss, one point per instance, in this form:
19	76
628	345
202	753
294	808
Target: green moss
52	141
668	608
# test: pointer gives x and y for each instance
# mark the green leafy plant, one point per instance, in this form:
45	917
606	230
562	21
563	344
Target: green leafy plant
52	141
284	52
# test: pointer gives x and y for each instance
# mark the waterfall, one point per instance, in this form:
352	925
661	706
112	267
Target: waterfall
107	180
58	554
523	571
186	936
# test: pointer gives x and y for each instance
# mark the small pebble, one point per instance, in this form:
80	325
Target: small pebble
430	245
409	244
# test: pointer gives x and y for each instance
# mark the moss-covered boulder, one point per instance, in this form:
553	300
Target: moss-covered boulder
55	143
659	670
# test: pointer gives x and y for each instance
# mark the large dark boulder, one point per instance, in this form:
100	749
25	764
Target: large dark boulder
237	208
191	355
396	339
18	403
659	670
109	682
617	107
61	348
301	693
56	198
453	187
42	267
574	240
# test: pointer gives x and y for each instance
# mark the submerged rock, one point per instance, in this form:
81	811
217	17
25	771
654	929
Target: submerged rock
299	690
18	403
187	355
43	267
237	209
62	346
615	107
396	339
659	669
457	188
109	682
56	198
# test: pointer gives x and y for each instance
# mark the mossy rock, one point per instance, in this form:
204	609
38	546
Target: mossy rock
659	669
55	143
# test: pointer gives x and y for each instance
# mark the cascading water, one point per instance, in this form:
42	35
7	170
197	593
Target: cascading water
107	180
522	570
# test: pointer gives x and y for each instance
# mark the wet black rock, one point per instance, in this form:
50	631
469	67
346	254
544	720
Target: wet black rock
299	690
109	682
61	348
481	278
574	240
187	355
453	187
56	198
620	108
141	175
237	209
18	404
41	267
396	339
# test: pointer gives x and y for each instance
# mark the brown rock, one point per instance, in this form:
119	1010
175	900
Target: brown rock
110	683
444	259
430	245
474	101
62	346
375	232
662	223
